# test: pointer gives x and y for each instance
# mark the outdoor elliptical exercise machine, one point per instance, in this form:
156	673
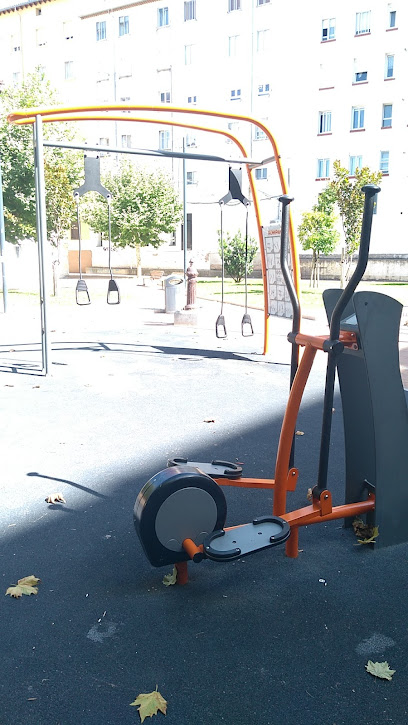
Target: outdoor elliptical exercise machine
180	513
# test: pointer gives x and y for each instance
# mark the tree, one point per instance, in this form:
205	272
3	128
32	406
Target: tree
350	202
234	255
62	168
317	232
144	206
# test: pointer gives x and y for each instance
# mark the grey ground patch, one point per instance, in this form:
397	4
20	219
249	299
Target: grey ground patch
101	631
375	644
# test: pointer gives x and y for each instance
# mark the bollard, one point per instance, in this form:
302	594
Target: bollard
192	275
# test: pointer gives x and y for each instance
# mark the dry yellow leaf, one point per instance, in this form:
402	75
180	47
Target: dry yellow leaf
150	704
55	498
300	433
26	585
170	579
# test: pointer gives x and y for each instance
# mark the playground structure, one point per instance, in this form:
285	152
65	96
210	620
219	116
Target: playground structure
180	513
129	113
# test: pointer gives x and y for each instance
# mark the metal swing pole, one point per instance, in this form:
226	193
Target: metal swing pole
41	223
2	243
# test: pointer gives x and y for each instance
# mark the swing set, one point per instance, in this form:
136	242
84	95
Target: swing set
129	113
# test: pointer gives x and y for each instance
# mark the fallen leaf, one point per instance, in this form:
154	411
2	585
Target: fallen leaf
55	498
380	669
26	585
150	704
170	579
366	532
208	420
300	433
309	494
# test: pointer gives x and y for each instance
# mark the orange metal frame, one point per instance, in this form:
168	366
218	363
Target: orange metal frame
318	511
116	113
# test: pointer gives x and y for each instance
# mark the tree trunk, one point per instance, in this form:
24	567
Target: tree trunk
314	274
138	262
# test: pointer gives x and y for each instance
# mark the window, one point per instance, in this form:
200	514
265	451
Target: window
162	17
233	42
360	77
263	2
191	177
389	66
234	5
104	141
235	94
188	54
15	44
328	29
325	122
101	30
191	140
68	69
357	118
363	23
165	97
190	10
323	168
262	37
392	19
387	115
233	127
259	134
68	32
40	37
123	25
192	100
384	161
263	89
126	140
356	162
16	78
164	140
38	11
261	174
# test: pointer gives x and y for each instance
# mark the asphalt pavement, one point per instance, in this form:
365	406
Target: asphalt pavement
259	641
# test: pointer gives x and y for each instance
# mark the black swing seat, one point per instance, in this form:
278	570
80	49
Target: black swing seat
263	533
81	293
113	296
220	328
246	331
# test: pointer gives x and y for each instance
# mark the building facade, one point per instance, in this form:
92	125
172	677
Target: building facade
328	79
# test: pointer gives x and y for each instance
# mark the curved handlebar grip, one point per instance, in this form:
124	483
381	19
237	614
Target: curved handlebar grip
285	200
370	191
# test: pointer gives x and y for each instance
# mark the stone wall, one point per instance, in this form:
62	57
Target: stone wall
380	268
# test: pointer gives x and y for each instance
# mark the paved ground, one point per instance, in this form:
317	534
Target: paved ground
264	640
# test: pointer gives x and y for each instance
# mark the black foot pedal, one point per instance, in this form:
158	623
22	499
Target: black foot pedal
246	326
263	533
81	293
215	469
113	296
220	329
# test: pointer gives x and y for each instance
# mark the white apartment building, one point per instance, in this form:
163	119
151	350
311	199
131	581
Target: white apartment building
328	79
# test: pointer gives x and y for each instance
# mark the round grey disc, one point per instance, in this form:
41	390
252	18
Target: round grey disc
190	513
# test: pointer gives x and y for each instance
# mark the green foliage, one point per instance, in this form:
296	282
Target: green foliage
317	232
350	200
234	255
62	168
144	206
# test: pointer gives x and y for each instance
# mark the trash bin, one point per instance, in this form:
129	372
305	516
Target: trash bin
174	293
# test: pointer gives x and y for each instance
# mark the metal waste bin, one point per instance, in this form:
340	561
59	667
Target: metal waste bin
174	293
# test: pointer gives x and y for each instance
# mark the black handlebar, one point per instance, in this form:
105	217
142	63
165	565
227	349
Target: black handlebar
370	191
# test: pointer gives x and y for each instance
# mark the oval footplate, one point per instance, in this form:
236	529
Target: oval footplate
263	533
